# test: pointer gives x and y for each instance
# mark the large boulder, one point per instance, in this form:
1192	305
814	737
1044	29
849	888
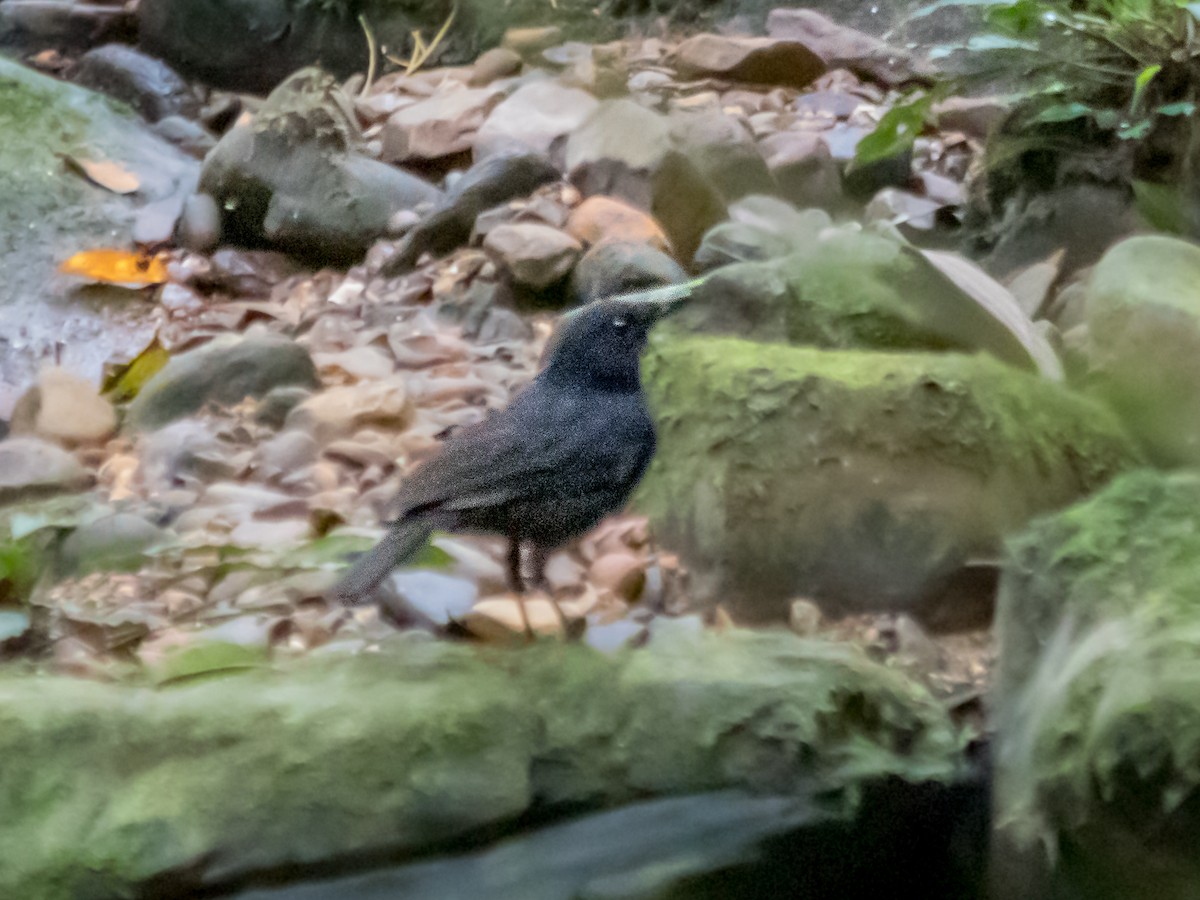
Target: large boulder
49	212
1097	699
1143	342
294	178
115	790
842	289
863	480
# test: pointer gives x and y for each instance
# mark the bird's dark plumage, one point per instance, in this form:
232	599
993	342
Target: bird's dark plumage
568	451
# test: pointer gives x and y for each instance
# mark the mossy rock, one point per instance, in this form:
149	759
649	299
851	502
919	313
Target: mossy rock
1143	318
864	480
48	212
108	787
224	371
294	177
847	289
1098	698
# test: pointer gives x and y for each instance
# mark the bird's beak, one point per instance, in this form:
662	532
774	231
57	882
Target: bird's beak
651	305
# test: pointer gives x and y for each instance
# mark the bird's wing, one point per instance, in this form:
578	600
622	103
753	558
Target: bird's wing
525	451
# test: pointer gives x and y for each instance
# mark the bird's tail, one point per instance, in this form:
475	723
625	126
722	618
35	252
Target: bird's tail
399	544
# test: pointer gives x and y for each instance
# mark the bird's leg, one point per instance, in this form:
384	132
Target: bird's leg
515	582
537	560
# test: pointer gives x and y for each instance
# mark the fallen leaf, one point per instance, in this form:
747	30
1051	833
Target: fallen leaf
117	267
123	382
107	174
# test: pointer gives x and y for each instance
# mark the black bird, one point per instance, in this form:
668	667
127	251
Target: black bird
568	451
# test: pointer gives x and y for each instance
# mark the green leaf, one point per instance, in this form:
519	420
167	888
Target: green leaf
207	659
123	383
1064	112
1020	18
1141	83
1182	108
894	134
1134	131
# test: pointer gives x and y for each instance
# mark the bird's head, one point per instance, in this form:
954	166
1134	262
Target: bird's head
601	343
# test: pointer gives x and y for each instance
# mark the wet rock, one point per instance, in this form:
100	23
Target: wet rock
443	125
617	268
30	467
341	411
532	118
199	225
190	137
602	219
224	371
110	543
30	26
754	60
1096	711
64	408
903	467
474	732
147	84
847	48
430	599
295	179
536	256
492	182
499	62
44	120
1143	342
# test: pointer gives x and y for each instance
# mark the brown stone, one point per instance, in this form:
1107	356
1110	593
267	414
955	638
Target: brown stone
756	60
64	408
599	219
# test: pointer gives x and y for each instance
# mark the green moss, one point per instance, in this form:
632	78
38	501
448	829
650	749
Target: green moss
411	749
854	290
785	471
1098	693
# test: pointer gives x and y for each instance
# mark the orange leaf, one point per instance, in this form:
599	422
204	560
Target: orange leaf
109	175
117	267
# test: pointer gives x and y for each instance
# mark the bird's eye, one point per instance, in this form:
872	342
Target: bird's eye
619	322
